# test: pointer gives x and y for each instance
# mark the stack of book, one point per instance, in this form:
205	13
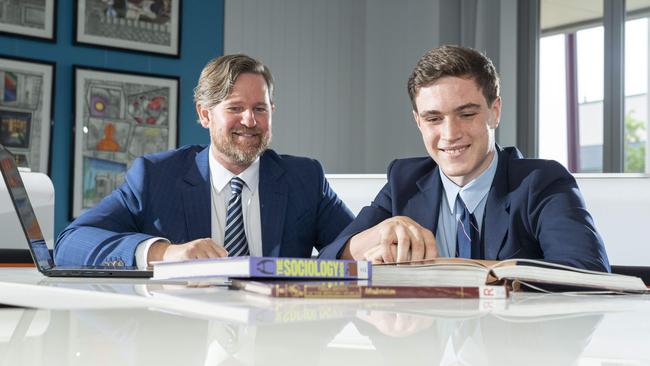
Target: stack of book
313	278
436	278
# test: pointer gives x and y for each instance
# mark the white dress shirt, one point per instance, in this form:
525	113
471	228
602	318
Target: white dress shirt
474	194
219	196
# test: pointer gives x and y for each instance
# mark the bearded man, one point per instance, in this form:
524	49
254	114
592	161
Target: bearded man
234	197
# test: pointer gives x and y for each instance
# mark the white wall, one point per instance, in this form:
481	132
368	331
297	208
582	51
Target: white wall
316	52
341	68
397	34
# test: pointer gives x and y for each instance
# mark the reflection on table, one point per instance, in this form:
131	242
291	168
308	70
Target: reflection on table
527	329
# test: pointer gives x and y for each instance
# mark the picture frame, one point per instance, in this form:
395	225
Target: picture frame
29	18
119	116
142	26
26	110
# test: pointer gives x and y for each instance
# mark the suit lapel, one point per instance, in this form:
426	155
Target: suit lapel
273	204
497	209
197	198
424	206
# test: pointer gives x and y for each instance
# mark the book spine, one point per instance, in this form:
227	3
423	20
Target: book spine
383	292
308	268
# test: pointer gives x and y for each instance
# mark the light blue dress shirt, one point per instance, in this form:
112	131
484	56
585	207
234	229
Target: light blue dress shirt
474	194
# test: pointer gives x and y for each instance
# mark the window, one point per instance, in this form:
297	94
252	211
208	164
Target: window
572	102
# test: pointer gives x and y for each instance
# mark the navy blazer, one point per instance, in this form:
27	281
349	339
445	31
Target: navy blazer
168	195
534	210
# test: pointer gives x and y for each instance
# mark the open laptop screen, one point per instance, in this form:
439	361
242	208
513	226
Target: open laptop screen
24	209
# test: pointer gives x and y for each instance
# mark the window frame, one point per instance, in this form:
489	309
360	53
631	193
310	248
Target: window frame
613	22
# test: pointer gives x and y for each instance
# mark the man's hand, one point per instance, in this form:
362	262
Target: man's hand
398	239
200	248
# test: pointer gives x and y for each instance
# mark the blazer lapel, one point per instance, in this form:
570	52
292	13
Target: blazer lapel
497	209
273	204
197	198
424	206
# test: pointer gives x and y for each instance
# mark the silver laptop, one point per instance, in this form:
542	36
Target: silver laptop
35	241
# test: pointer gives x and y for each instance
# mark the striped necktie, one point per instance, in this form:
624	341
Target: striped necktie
235	238
467	234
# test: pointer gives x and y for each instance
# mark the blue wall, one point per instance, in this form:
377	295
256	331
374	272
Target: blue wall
201	40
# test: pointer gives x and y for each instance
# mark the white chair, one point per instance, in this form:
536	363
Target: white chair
41	194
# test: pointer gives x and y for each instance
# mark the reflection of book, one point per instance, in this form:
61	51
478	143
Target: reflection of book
207	302
525	306
240	307
516	272
262	267
541	307
362	289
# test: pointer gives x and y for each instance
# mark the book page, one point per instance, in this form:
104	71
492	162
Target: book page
430	275
481	263
570	277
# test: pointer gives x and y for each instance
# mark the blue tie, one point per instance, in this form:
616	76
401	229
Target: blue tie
467	235
235	238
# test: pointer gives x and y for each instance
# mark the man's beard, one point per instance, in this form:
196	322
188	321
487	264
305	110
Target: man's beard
241	154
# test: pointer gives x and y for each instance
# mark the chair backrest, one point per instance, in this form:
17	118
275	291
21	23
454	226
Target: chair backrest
356	190
619	204
41	194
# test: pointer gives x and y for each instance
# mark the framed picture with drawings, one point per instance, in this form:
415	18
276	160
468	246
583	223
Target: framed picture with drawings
29	18
151	26
26	107
119	116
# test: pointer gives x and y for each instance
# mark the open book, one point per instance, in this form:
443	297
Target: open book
515	272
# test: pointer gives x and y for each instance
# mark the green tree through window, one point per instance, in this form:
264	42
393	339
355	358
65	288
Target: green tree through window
634	145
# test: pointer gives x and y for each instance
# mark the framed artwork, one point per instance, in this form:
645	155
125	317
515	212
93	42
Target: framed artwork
151	26
26	110
28	18
118	117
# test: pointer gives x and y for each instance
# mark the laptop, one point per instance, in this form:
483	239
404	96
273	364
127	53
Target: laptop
35	240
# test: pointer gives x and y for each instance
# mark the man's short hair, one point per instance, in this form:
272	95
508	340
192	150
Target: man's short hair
454	61
219	75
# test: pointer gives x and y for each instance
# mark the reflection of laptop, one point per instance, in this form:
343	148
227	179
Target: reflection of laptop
36	242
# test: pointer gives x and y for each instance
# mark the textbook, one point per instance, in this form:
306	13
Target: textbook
262	267
533	274
363	289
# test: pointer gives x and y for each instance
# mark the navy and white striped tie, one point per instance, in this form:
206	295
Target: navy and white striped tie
235	238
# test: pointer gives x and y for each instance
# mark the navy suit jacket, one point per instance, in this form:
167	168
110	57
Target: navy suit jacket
534	210
168	195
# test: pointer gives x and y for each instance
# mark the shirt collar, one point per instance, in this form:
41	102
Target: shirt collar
473	192
220	176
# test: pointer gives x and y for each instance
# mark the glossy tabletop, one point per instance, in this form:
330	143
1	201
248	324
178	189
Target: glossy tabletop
140	322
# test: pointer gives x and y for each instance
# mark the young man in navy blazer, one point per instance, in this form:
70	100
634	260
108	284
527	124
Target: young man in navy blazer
190	202
470	197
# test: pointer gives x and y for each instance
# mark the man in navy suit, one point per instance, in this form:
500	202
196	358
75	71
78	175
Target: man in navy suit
480	201
233	197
